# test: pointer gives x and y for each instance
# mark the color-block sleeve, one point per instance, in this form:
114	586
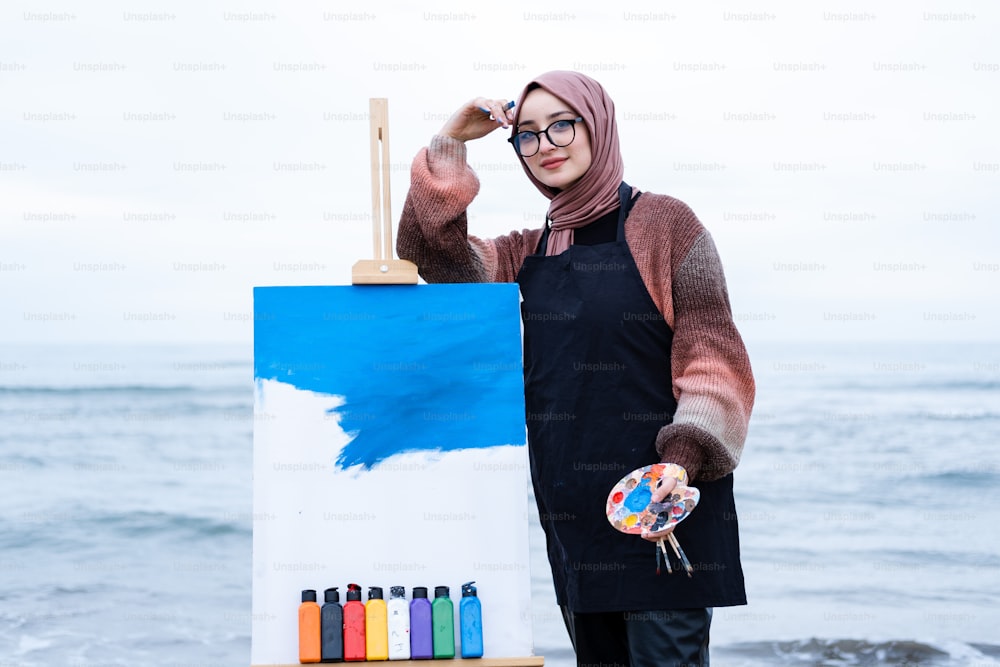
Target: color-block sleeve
712	377
433	228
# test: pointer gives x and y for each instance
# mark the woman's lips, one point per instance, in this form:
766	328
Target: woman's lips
552	163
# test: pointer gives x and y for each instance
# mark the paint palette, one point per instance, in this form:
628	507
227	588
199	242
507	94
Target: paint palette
629	509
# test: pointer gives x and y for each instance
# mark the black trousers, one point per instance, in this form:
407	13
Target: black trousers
669	638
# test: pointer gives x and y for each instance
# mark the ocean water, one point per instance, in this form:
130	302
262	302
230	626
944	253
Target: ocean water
869	501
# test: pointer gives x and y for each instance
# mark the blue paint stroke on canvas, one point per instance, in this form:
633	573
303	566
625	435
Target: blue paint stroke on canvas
421	367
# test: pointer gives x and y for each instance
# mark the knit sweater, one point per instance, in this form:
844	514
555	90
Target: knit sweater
679	265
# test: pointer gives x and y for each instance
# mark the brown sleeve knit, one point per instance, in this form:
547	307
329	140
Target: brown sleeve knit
712	378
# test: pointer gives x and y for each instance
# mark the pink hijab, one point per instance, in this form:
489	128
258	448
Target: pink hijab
596	193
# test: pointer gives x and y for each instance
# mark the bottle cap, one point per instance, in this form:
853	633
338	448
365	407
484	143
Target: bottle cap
441	592
374	592
309	595
353	592
419	591
468	590
331	595
397	592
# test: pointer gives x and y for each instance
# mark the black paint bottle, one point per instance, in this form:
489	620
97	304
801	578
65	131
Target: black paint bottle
332	627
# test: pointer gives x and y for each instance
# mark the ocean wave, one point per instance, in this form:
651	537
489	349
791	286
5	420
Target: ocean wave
32	528
959	415
984	384
911	385
983	476
134	412
17	462
896	560
142	522
814	652
75	390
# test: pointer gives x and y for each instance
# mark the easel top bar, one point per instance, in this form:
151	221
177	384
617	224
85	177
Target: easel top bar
383	269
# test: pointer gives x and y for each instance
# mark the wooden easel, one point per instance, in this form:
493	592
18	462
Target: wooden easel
383	269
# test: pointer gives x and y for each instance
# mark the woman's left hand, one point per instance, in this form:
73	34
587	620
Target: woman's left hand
666	486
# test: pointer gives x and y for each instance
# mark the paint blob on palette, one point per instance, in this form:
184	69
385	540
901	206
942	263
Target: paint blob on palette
629	507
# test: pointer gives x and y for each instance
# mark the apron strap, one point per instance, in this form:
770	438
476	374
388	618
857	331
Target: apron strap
625	202
544	242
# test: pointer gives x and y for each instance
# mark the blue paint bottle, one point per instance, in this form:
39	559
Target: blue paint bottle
470	615
421	626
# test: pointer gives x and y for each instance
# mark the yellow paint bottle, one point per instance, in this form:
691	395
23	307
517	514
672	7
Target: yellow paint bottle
376	626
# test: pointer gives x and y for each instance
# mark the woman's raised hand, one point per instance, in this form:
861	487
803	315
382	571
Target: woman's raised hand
471	122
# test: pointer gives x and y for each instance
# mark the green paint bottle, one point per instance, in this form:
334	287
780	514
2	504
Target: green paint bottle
443	619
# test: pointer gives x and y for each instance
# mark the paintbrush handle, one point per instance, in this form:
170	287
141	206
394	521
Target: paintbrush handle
666	557
680	553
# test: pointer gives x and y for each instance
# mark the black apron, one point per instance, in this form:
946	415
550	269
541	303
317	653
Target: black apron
597	391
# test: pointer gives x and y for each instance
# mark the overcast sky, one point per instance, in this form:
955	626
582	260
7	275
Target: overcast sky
159	160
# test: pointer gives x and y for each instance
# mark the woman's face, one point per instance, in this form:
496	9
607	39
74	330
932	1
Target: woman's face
554	166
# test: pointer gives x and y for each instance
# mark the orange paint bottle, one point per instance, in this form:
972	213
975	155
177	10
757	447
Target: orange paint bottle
309	632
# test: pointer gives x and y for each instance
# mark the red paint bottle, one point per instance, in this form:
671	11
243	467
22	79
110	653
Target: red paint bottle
354	625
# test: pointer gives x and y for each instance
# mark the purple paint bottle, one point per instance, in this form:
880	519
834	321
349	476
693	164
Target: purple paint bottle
421	626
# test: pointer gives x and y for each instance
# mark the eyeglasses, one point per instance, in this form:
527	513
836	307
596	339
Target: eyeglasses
560	134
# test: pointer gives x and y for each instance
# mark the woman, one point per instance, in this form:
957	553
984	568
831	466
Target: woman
631	357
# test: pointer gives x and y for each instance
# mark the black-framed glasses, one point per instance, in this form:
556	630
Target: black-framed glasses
560	133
